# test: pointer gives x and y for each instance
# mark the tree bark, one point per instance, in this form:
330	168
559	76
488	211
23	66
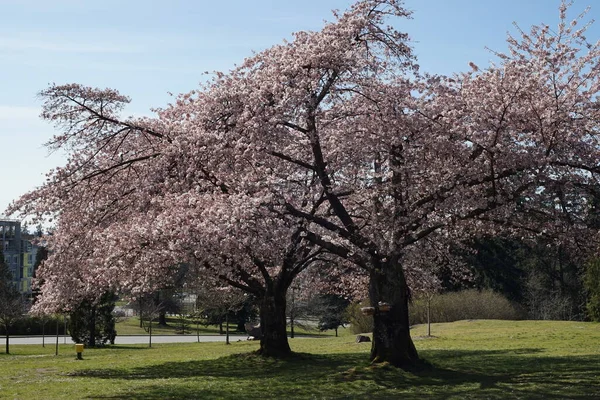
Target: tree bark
7	341
274	341
391	330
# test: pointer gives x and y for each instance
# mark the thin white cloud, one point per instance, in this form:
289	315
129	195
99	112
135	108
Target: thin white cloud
19	113
65	64
41	4
62	46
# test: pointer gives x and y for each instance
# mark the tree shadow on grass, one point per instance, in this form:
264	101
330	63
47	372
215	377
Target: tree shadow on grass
519	373
124	346
452	374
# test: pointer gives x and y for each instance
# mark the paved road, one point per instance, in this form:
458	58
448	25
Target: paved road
131	339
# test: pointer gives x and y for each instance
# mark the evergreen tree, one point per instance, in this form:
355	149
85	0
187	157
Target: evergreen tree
12	305
591	281
93	324
542	276
40	256
495	265
331	309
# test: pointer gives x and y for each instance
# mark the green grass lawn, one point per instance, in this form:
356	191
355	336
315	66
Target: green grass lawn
131	326
468	359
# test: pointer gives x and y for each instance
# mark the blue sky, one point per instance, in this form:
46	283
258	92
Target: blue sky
146	49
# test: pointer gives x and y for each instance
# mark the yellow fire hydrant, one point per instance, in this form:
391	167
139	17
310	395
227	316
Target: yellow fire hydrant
79	350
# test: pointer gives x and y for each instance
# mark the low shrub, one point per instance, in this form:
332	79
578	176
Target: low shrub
36	326
466	304
591	281
447	307
359	323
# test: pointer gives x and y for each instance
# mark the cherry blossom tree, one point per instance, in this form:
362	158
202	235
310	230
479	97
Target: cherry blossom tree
399	159
331	145
133	204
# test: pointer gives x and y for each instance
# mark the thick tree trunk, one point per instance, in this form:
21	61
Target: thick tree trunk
391	334
7	341
274	341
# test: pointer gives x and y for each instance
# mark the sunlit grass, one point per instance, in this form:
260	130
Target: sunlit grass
131	326
467	359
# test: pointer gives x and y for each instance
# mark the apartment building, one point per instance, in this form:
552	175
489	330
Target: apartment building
19	253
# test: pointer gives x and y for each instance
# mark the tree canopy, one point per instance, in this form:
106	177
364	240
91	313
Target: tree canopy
330	147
